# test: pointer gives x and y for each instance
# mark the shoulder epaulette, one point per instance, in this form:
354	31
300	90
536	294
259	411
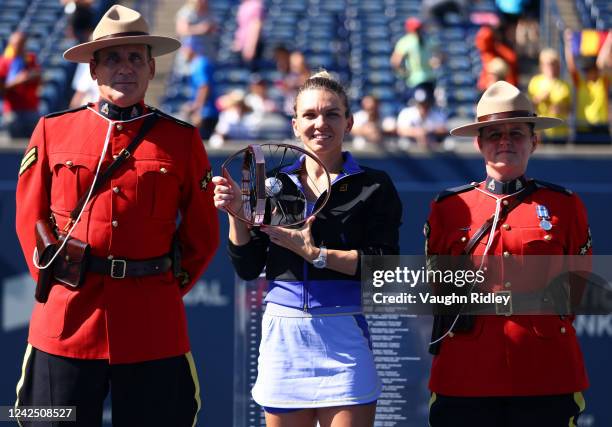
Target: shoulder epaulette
455	190
60	113
554	187
169	117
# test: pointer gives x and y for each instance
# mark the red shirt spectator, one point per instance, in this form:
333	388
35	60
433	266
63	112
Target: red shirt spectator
20	96
491	48
19	82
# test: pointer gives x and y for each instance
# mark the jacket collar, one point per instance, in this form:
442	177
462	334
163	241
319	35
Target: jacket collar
349	167
498	187
114	112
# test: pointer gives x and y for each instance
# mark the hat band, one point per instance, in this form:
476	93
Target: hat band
127	34
506	115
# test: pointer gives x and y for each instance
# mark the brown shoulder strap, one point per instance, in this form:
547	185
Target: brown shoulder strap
505	210
147	125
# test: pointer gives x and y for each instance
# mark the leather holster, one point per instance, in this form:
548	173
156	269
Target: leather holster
69	267
46	245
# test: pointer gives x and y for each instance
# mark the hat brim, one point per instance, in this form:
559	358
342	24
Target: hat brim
160	45
539	124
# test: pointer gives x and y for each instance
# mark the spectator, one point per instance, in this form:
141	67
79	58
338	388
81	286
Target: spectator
519	24
84	86
423	122
527	35
591	79
497	70
551	95
265	118
281	59
247	40
257	99
299	72
19	82
440	10
368	125
81	18
490	47
201	111
413	57
197	28
236	120
509	12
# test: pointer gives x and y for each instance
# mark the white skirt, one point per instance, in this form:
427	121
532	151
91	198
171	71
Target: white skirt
313	362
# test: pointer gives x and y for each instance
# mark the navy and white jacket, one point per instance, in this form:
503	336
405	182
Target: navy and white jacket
363	212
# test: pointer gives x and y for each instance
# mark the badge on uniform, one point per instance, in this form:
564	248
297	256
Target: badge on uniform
343	187
207	178
584	249
28	160
544	217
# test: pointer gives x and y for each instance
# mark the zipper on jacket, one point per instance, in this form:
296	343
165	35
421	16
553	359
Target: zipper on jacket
305	287
305	278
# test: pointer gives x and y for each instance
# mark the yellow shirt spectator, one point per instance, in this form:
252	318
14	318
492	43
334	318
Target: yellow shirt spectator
551	98
592	101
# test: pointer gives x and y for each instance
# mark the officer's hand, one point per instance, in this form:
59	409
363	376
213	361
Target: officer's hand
298	240
227	194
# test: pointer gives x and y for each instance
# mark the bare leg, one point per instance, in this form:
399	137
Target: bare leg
300	418
347	416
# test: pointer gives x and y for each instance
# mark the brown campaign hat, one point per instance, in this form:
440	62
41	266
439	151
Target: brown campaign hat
120	26
504	103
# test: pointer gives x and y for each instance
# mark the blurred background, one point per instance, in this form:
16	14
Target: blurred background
413	69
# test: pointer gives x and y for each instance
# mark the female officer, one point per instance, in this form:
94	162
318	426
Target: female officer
508	370
315	361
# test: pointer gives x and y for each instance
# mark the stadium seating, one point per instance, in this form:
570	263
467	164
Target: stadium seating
355	39
45	22
595	13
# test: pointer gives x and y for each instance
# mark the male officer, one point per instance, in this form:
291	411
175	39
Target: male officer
125	326
507	370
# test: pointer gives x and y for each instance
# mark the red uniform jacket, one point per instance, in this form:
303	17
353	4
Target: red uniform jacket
134	216
518	355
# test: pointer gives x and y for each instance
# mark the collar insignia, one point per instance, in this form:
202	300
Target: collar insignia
510	187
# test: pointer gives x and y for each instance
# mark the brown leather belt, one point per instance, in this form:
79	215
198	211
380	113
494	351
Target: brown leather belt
121	268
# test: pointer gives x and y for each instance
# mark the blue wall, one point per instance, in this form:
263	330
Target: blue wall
210	307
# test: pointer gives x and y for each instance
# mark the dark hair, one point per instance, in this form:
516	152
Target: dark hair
96	54
323	80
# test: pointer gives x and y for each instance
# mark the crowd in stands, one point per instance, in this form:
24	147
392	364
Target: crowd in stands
425	78
34	79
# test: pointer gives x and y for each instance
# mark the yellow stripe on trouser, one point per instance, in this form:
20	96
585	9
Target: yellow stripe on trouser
579	401
196	384
26	358
432	399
